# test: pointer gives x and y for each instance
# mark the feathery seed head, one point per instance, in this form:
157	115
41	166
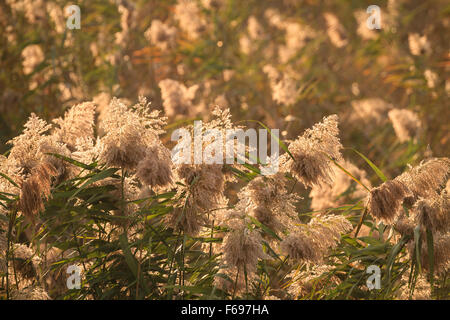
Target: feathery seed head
311	151
384	201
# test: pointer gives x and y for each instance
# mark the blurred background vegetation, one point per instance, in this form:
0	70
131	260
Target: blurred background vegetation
77	65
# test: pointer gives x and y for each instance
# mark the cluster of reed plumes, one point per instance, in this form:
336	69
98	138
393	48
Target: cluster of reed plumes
97	187
422	190
83	182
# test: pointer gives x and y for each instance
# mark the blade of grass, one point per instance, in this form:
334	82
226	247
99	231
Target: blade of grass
280	143
348	173
430	247
372	165
9	179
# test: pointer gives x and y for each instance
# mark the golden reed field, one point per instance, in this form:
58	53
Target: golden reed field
224	149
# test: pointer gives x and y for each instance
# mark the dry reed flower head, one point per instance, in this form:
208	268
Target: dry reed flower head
73	89
51	145
272	73
32	56
2	264
25	147
187	218
370	111
267	199
57	16
428	178
254	28
300	247
330	227
34	10
425	181
129	133
221	100
266	190
25	260
9	33
434	213
9	167
207	180
406	124
311	242
128	14
177	98
405	225
246	45
190	19
35	189
394	7
311	151
274	18
228	74
335	30
3	241
123	148
384	201
267	297
155	169
297	35
267	218
431	77
418	45
101	101
441	253
441	248
161	35
202	186
302	282
87	150
212	4
31	147
205	185
283	85
78	122
285	91
30	293
242	248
